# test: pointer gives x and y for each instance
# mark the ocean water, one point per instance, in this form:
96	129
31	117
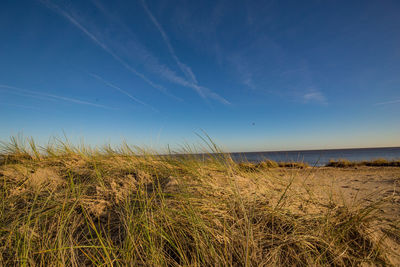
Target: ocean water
321	157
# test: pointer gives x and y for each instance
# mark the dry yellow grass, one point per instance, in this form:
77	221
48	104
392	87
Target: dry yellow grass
65	205
376	163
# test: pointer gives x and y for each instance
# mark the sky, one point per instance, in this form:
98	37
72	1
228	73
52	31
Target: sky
253	75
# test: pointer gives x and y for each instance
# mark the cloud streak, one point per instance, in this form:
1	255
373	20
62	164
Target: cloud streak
51	97
387	102
18	106
122	91
314	96
91	36
187	71
134	50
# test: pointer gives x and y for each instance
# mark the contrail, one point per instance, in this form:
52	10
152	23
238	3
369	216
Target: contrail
166	73
388	102
122	91
144	53
35	94
102	45
185	69
13	91
192	83
18	106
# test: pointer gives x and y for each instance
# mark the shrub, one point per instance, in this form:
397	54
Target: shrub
268	164
298	165
341	163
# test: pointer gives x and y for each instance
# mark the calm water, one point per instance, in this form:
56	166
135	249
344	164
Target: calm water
321	157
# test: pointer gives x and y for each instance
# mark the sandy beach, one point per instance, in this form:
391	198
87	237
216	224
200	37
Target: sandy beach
355	186
113	206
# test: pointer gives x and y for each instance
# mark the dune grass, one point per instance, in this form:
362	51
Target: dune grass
268	164
342	163
76	205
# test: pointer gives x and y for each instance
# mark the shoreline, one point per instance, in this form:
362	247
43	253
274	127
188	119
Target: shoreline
318	150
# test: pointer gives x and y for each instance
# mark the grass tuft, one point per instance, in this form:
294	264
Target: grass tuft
76	205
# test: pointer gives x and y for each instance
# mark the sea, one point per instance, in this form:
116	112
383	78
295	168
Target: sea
320	157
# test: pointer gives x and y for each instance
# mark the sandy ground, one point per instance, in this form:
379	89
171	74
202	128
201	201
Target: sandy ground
358	186
361	185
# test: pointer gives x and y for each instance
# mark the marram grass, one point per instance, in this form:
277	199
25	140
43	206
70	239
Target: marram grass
75	206
342	163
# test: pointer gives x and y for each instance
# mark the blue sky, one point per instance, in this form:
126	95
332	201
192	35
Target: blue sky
255	75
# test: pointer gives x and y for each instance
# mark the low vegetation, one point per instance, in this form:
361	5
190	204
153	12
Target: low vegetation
341	163
66	205
268	164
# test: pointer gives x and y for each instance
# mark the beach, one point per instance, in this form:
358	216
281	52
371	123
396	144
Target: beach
199	133
81	206
351	187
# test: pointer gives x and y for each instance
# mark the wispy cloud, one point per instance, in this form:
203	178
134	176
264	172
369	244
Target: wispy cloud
387	102
314	96
122	91
204	92
242	70
51	97
122	46
18	106
16	91
187	71
101	44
